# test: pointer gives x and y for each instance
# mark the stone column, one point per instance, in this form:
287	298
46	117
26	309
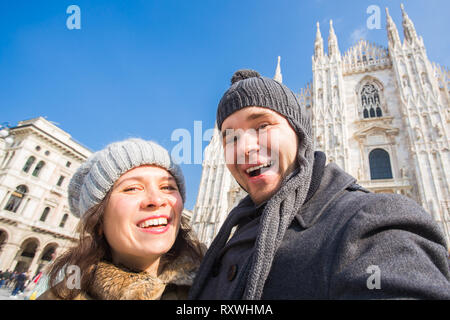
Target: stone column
7	256
34	263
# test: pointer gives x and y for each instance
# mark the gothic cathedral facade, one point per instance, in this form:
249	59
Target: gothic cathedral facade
381	114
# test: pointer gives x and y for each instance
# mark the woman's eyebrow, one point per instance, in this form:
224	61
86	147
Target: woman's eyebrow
140	178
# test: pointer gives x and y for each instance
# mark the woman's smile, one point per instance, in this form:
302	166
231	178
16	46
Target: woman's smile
155	225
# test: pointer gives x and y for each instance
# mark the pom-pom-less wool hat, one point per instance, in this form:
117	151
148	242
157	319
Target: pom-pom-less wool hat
95	177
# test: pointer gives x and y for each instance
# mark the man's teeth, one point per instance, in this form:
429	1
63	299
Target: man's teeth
153	222
249	170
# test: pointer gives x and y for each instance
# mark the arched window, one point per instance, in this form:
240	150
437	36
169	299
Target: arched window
28	164
44	214
405	81
29	249
38	168
379	113
370	101
60	181
380	164
63	220
48	253
16	198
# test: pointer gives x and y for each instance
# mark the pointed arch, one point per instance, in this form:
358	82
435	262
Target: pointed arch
370	94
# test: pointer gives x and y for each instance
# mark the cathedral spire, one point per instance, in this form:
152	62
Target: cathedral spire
333	48
278	76
393	37
408	27
318	44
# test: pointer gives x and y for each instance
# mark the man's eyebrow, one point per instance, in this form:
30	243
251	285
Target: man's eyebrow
251	117
257	115
224	133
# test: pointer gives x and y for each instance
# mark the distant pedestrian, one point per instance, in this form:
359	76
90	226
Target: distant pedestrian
6	275
20	284
2	280
12	280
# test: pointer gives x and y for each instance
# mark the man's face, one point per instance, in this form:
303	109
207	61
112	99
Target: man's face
260	150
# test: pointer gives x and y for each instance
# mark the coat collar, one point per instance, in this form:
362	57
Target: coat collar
334	181
113	282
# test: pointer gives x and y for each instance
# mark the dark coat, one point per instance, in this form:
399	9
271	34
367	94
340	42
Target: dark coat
346	243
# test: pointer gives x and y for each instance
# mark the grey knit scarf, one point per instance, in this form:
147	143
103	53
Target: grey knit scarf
278	214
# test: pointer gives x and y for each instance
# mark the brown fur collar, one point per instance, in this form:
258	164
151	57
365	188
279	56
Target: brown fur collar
119	283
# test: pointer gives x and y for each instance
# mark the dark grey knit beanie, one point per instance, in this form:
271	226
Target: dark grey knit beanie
249	88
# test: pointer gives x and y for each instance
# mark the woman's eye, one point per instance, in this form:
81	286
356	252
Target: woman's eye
131	189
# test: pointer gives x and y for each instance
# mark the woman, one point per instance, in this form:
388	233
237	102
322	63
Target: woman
134	242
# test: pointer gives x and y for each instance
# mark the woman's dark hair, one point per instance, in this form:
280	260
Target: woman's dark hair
93	247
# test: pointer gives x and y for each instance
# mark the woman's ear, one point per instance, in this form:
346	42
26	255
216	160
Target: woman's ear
100	230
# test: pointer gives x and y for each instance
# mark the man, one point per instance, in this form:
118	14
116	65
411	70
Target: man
306	230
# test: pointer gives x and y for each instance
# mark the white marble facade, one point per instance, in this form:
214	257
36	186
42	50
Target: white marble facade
382	114
35	220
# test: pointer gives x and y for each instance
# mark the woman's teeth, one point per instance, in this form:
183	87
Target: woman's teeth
153	223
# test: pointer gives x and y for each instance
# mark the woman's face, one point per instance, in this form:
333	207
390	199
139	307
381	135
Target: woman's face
142	216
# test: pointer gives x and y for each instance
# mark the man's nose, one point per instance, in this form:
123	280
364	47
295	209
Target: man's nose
249	147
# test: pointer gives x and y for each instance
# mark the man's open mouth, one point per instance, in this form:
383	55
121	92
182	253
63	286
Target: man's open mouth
257	170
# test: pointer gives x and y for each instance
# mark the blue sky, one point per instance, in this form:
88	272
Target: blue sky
146	68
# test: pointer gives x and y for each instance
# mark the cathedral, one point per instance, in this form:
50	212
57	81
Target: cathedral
381	114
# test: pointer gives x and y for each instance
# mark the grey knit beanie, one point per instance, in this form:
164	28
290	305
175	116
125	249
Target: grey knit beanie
95	177
249	88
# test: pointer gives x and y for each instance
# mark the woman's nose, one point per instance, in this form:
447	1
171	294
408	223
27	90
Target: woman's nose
153	199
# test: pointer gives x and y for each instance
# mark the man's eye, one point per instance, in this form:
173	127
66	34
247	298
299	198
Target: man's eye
263	126
231	139
169	187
